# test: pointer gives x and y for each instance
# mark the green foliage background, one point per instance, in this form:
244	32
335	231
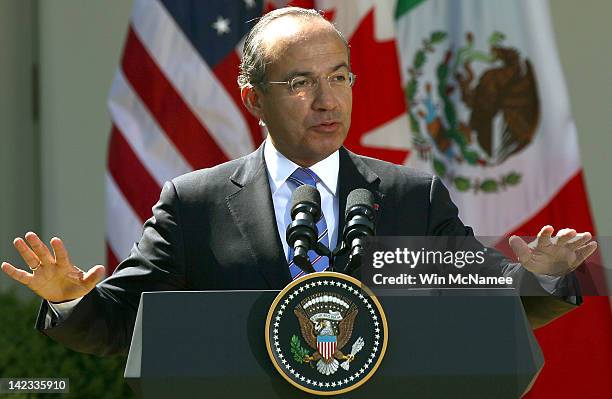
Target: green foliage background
25	352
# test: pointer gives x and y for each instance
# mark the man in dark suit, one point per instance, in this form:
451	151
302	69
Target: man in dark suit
214	229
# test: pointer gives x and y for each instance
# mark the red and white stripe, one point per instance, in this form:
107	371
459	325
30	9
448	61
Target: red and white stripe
171	114
326	349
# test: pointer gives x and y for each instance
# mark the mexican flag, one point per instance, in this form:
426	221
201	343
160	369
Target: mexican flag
489	112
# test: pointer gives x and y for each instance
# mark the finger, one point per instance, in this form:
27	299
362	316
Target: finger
584	252
579	240
17	274
60	252
39	248
94	275
91	278
520	248
564	235
544	236
28	256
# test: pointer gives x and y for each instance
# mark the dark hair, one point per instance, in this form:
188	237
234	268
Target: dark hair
254	61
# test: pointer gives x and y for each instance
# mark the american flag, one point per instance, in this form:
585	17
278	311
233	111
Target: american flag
175	103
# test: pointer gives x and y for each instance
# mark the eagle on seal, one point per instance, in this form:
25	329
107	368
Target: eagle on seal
326	324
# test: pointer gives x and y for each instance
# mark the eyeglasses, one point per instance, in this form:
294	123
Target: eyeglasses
302	85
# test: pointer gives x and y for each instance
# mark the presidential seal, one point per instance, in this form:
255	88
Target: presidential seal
326	333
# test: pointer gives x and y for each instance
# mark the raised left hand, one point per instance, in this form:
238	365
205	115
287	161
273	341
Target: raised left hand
554	256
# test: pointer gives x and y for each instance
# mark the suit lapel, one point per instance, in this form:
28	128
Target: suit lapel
354	173
253	213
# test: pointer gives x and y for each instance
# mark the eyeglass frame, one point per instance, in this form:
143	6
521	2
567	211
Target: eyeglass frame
351	79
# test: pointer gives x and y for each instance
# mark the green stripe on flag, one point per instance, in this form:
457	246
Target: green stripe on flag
403	6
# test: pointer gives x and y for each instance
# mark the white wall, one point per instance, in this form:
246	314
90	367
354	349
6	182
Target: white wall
19	208
80	45
584	33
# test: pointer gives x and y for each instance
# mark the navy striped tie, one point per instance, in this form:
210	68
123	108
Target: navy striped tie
298	178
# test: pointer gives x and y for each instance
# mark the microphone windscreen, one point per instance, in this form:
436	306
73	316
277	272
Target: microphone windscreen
306	193
359	196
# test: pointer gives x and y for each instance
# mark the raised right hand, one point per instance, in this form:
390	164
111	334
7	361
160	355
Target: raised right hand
53	276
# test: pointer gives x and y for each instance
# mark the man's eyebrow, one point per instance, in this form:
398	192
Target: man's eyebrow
340	65
293	74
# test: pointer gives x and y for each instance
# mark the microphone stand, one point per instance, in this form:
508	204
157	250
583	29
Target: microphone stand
322	250
341	249
354	261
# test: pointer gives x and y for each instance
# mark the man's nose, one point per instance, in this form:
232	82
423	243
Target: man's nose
325	98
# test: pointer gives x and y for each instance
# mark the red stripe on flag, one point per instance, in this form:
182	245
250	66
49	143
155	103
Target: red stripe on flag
578	352
111	260
328	14
168	107
134	181
577	347
568	208
226	72
269	6
302	3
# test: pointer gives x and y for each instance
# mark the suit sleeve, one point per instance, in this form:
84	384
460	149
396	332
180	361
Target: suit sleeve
103	321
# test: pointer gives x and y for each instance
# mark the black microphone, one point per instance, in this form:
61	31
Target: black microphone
359	217
302	234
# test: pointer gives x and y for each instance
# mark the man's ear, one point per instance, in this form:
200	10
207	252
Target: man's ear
251	98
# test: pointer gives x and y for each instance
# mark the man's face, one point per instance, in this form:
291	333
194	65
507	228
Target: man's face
309	127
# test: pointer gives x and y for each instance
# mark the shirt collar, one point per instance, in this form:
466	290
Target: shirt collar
280	168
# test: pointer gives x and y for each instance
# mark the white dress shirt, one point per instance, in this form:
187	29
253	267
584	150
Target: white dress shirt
280	168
